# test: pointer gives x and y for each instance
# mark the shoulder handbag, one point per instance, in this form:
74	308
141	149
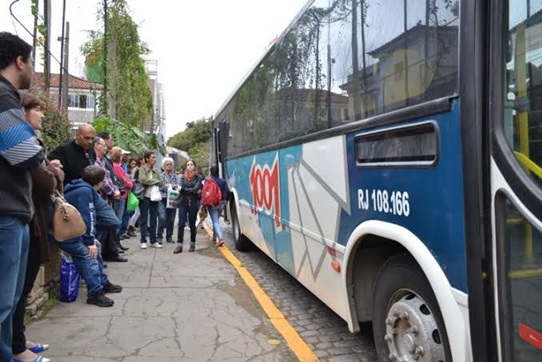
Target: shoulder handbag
67	221
139	190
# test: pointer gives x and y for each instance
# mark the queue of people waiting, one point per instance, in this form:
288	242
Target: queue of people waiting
95	177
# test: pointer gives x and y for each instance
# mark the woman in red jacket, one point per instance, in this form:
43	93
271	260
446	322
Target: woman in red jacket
116	157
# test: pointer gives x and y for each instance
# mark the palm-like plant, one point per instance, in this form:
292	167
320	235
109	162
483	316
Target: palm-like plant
128	137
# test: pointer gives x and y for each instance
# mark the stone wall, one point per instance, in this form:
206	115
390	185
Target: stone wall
44	287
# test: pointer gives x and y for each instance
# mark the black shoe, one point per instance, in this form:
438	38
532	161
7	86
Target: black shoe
124	237
122	247
104	265
119	250
112	288
117	259
100	300
170	241
192	248
131	231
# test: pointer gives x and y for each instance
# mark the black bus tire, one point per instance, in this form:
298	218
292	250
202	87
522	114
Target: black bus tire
242	243
407	322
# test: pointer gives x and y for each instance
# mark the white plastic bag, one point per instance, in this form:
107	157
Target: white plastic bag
155	193
171	201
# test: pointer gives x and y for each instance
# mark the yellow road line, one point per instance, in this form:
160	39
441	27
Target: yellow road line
293	339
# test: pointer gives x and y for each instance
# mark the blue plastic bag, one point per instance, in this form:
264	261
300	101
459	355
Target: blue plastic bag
69	279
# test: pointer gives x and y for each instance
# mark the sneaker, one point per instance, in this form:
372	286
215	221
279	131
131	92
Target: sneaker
157	245
112	288
143	245
100	300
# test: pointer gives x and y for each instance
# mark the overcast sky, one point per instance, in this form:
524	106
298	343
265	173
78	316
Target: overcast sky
203	48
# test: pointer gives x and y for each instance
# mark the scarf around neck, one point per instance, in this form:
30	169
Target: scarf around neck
190	175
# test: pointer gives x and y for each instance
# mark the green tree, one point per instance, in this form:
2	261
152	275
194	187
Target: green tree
200	154
128	92
195	140
196	133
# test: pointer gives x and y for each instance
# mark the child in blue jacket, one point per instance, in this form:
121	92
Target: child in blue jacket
85	250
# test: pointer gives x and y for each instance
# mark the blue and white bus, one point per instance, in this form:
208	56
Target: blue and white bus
387	154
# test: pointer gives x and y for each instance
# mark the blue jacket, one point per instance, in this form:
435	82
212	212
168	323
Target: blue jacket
224	188
81	195
96	212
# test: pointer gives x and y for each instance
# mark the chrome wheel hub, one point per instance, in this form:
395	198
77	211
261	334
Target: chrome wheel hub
411	331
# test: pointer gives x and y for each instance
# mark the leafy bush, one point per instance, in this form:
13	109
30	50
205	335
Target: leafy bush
128	137
57	127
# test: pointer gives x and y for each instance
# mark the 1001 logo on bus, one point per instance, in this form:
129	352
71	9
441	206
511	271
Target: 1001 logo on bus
264	182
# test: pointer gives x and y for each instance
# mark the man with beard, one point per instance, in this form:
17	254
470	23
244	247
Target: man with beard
19	154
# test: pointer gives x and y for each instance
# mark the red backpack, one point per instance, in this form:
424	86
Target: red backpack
210	193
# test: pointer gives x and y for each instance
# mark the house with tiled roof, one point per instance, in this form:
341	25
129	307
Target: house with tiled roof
82	96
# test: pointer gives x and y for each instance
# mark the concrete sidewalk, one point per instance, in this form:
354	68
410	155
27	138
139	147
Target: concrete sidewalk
174	307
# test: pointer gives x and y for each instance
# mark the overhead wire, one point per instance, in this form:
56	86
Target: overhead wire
36	40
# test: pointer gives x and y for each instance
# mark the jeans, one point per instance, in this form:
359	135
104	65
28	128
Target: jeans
119	211
135	216
166	220
90	269
14	239
124	222
149	214
18	345
190	211
214	213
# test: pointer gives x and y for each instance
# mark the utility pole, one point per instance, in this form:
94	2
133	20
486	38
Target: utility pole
65	75
105	104
62	38
47	52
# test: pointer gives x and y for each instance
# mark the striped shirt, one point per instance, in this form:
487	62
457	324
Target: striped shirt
19	154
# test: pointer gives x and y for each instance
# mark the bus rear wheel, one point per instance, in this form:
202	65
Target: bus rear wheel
242	243
407	323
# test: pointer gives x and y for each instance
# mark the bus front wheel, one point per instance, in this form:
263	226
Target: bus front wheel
407	322
242	243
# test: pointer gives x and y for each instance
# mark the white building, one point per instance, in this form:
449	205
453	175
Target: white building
82	97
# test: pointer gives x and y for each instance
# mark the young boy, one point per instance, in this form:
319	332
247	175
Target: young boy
84	250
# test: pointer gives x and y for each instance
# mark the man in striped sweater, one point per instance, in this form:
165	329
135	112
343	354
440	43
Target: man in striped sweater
19	154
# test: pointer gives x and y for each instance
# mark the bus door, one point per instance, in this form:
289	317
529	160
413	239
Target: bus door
515	121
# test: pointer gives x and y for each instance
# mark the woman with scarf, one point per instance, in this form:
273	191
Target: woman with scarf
189	202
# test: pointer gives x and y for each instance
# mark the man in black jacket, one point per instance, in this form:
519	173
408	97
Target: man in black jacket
19	154
77	154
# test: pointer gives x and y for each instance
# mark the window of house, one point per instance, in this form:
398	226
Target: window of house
83	101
